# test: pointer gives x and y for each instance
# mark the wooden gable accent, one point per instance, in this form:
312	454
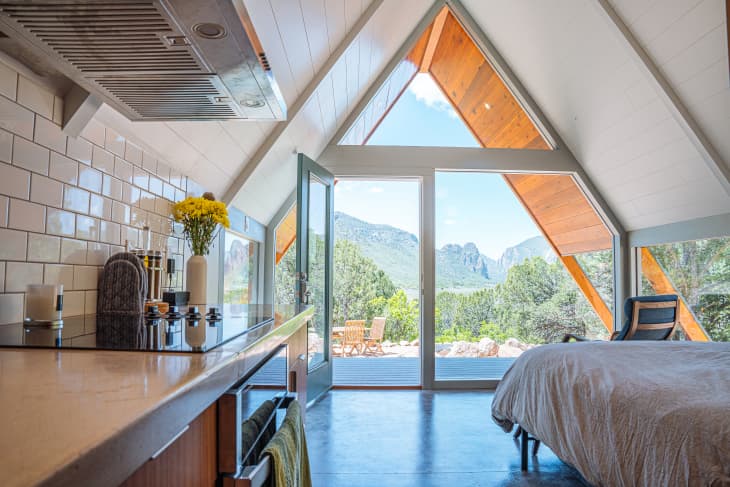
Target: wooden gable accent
481	98
286	233
562	212
662	285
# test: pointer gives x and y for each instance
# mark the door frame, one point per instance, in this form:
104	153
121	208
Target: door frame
319	378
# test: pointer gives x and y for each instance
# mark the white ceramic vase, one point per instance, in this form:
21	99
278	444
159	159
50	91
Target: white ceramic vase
196	281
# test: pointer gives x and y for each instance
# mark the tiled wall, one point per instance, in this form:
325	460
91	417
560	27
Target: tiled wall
67	204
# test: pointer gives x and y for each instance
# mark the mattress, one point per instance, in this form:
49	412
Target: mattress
626	413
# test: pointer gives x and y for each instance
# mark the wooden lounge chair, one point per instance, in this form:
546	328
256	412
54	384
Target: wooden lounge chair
353	336
374	338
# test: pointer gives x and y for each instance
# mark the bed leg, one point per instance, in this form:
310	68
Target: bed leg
523	449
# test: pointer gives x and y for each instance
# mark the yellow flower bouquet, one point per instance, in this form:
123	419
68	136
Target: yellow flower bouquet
200	218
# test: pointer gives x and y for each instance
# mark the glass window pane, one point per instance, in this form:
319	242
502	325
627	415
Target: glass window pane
699	271
316	259
239	270
286	255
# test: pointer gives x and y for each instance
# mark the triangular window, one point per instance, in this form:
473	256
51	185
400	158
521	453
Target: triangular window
445	75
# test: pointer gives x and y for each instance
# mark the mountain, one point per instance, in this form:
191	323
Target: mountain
395	251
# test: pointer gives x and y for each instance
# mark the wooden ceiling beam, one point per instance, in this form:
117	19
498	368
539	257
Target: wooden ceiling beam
436	29
663	285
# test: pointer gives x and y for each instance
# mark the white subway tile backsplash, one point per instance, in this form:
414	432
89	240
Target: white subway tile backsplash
73	251
11	308
35	97
147	201
68	203
163	171
100	207
123	170
90	178
14	181
59	274
168	191
85	277
112	187
48	134
102	160
163	207
19	274
30	156
133	153
79	149
73	303
121	213
87	227
138	217
13	245
15	118
6	146
149	162
141	178
130	194
24	215
90	305
155	186
94	132
4	203
46	191
59	222
75	199
43	248
130	235
110	233
64	169
114	142
8	81
97	253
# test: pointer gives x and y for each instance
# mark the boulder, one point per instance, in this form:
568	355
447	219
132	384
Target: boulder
458	349
403	343
443	346
387	343
415	343
513	342
487	348
509	351
443	353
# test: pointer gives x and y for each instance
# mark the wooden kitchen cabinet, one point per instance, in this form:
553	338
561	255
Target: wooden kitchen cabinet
189	461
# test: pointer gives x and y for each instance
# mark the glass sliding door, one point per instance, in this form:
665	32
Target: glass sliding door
315	235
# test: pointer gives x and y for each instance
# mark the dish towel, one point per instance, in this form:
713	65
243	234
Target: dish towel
288	451
265	412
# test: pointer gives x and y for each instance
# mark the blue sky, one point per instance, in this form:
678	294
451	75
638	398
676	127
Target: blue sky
470	207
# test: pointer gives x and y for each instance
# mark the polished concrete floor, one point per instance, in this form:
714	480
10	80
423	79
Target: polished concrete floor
419	439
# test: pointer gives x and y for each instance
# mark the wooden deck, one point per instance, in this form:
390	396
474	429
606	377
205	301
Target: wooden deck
406	371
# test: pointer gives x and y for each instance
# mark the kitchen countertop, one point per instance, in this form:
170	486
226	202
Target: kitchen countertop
92	417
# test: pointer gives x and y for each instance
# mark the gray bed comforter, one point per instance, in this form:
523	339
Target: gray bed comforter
626	414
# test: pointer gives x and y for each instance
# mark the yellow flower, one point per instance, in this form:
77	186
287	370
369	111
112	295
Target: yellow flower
200	218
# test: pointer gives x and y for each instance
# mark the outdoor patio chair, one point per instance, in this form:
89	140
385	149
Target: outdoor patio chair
646	318
374	338
353	336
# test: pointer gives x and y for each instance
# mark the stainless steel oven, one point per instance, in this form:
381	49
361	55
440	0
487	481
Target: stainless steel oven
248	415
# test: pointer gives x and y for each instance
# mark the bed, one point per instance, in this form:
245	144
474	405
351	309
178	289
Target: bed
626	413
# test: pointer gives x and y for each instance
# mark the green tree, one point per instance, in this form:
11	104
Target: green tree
360	288
402	317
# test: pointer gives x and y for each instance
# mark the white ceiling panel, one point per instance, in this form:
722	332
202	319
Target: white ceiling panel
583	77
275	177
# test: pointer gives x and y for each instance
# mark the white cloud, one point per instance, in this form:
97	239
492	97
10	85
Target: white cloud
424	88
376	189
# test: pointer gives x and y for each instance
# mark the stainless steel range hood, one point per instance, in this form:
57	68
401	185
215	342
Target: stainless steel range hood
154	59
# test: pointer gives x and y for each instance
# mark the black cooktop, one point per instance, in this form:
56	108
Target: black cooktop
121	333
